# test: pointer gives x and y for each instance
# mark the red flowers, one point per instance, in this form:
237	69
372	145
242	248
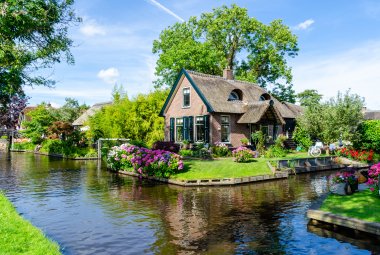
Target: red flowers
363	155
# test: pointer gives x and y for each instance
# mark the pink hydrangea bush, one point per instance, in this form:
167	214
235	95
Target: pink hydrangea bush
373	178
243	154
144	161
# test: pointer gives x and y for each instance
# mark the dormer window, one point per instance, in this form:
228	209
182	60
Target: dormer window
264	97
235	95
186	97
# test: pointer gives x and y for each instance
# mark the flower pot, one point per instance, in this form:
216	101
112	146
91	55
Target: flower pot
341	189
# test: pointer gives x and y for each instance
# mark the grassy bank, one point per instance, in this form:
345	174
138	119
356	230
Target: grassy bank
18	236
362	205
221	168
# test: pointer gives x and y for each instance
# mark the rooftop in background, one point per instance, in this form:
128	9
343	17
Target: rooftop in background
372	114
90	112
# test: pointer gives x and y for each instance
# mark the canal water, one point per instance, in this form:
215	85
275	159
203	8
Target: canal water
88	210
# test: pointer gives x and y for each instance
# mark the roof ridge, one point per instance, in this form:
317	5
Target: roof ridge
225	79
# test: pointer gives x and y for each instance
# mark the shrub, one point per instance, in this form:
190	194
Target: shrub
368	136
166	146
4	137
144	161
243	154
204	153
221	150
52	146
302	138
24	146
186	153
278	149
258	139
138	143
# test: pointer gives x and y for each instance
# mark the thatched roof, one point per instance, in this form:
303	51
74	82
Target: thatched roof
90	112
261	110
216	90
372	115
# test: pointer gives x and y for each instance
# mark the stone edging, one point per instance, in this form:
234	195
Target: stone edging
212	182
352	223
54	155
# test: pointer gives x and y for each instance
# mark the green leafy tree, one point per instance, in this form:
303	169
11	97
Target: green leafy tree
309	97
41	119
136	118
368	136
33	36
213	42
337	118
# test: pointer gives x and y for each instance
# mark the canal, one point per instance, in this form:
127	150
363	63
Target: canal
88	210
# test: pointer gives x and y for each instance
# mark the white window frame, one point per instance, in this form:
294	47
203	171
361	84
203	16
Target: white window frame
229	128
183	97
195	128
175	129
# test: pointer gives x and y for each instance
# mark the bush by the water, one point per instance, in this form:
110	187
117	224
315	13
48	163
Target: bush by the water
65	148
243	154
25	145
302	138
368	136
144	161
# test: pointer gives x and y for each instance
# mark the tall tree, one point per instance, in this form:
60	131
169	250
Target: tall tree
228	37
9	115
309	97
33	36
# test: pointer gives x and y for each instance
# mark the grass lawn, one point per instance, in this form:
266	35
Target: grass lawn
362	205
18	236
221	168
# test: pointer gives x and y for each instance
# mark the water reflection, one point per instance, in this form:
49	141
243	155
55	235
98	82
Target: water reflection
92	211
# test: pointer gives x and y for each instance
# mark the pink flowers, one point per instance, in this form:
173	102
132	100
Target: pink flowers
243	154
373	177
144	161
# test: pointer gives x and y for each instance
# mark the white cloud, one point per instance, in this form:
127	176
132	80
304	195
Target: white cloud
91	28
357	69
165	9
304	25
109	75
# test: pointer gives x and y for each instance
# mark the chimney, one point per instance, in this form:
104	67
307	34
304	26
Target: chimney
228	73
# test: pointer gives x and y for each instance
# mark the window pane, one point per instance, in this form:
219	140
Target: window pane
179	134
179	121
225	133
186	97
200	133
199	120
225	119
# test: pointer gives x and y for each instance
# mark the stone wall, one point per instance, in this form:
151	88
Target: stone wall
4	145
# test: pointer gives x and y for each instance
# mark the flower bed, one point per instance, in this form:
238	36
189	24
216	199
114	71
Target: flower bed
362	155
144	161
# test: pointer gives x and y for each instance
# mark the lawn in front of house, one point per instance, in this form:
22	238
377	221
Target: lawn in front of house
362	205
221	168
18	236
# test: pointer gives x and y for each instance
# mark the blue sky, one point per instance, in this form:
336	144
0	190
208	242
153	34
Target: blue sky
339	45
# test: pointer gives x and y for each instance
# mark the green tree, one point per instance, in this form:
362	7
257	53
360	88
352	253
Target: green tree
368	136
136	118
33	36
213	42
70	111
41	119
338	117
309	97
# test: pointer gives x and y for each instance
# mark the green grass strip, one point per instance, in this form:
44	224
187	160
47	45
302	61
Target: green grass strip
363	205
19	236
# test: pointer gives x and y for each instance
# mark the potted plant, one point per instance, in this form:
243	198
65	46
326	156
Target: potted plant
244	141
340	184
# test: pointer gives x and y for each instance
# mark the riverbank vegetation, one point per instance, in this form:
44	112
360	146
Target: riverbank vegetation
361	205
19	236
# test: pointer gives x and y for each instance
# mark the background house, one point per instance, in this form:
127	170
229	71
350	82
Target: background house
80	122
211	109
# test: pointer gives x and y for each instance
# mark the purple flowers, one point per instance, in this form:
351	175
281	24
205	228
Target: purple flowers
144	161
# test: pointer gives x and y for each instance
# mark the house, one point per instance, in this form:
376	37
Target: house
211	109
371	114
79	123
23	116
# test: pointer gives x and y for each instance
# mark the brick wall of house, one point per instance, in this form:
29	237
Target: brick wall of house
238	131
176	109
